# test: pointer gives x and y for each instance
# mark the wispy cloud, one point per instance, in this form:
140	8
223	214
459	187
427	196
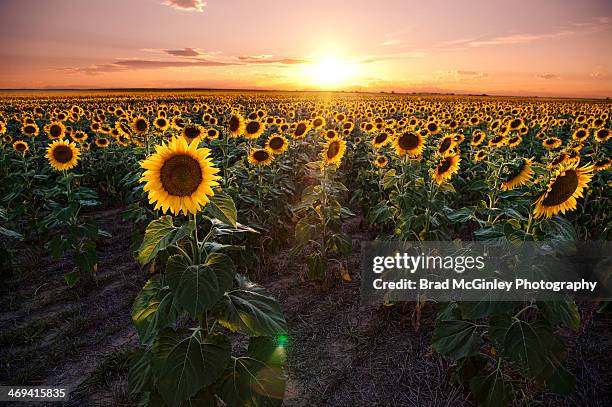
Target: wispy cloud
185	52
392	56
186	5
547	76
519	38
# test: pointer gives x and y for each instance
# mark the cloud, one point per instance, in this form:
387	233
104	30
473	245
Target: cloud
269	59
472	74
520	38
547	76
388	57
599	73
185	52
186	5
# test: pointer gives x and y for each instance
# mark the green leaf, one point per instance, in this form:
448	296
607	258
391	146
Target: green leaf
257	379
488	305
459	215
140	376
197	288
491	389
160	234
153	309
389	179
87	258
57	246
222	207
317	265
456	338
10	233
71	278
379	213
562	381
561	312
192	365
251	310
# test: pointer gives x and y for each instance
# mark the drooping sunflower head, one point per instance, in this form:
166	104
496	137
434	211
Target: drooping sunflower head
515	141
21	147
381	161
235	124
446	167
480	155
254	129
446	145
408	144
179	176
62	155
261	156
277	144
382	138
519	174
497	141
564	188
333	152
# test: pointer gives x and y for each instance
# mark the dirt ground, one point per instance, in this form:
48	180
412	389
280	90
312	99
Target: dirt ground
340	353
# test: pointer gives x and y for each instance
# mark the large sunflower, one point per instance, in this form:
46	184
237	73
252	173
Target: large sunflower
566	185
408	144
179	176
520	175
254	129
261	156
62	155
333	152
445	169
277	144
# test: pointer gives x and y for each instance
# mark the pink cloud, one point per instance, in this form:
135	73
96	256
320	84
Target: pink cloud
186	5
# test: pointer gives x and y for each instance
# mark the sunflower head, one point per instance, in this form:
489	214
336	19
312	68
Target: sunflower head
193	132
253	129
446	167
446	145
235	124
179	176
277	144
301	129
261	156
518	174
381	161
102	142
140	125
564	188
603	164
333	152
63	155
21	147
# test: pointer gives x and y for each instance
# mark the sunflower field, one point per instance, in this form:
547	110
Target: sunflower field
213	186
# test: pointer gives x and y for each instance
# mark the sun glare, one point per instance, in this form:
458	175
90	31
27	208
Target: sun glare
329	72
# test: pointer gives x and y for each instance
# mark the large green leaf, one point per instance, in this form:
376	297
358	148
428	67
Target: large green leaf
456	338
251	310
140	375
257	379
491	389
153	309
222	207
561	312
198	287
192	365
160	234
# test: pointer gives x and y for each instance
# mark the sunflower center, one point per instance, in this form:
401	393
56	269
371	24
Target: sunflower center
234	123
333	150
317	122
300	129
444	165
55	130
562	189
62	154
432	126
380	138
29	130
141	125
181	175
252	127
497	139
192	132
261	155
276	143
20	147
408	141
445	145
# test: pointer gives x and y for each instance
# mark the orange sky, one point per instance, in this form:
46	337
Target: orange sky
535	47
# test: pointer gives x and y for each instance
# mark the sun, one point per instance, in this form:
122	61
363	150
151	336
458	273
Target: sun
329	72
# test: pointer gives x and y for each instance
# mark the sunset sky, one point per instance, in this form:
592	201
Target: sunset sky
535	47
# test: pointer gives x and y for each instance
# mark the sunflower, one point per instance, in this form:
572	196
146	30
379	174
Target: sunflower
235	124
381	139
432	128
140	125
300	130
580	134
7	138
123	140
254	129
102	142
62	155
497	141
408	144
30	130
318	122
161	123
212	133
179	176
55	130
520	176
381	161
603	164
79	136
447	143
261	156
445	168
566	185
602	135
277	144
21	147
515	141
477	137
333	152
480	155
330	134
193	132
552	142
